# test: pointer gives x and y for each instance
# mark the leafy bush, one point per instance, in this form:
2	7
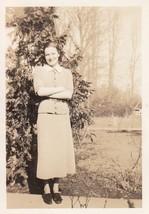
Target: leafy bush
32	32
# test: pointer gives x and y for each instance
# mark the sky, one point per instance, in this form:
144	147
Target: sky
130	19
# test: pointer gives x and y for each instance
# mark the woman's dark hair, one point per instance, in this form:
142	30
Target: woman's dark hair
53	44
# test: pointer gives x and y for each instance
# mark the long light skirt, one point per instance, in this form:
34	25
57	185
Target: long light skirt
55	146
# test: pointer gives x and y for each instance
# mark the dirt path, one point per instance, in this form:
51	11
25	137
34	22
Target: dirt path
117	123
35	201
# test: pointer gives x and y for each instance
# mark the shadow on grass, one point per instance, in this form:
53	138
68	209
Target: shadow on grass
35	185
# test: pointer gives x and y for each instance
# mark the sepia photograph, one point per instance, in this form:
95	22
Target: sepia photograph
73	103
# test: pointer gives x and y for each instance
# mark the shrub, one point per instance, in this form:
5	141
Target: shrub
114	103
33	31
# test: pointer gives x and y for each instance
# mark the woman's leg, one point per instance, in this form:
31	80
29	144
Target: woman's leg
47	195
56	192
56	185
46	186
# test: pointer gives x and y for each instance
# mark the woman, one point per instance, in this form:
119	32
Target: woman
55	146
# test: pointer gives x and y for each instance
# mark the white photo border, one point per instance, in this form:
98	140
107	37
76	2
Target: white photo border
144	4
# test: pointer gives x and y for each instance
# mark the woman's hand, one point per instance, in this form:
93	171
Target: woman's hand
48	91
66	94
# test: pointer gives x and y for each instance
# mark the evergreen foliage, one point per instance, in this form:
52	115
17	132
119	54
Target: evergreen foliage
32	32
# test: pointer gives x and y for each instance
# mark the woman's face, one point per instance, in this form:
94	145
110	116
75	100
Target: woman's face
51	56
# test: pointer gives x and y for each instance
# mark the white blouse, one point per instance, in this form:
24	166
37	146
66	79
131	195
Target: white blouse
46	76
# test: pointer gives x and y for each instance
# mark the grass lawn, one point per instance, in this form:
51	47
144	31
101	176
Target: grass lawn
110	166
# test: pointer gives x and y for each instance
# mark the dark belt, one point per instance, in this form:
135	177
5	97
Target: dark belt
46	113
55	100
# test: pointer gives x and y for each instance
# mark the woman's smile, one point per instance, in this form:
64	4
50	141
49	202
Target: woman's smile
51	55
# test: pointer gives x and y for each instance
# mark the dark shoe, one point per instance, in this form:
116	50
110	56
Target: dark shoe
47	198
57	198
